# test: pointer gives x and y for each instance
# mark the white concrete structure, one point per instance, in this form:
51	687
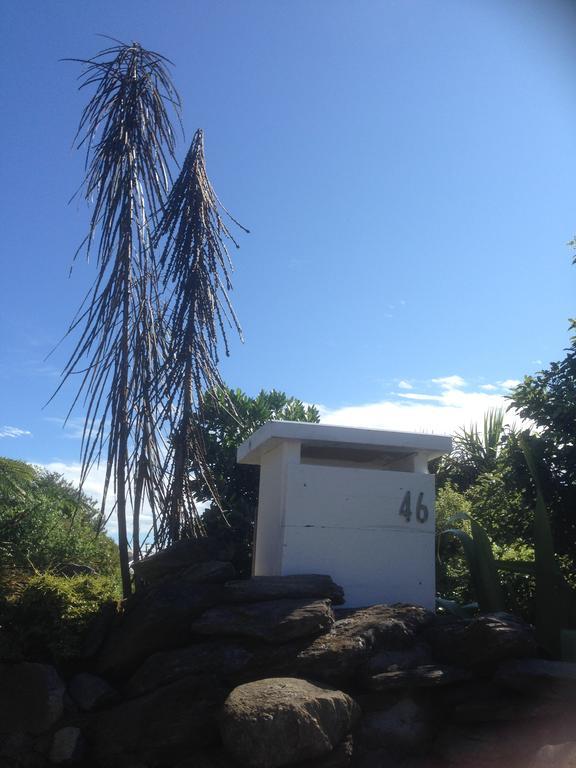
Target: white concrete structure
357	504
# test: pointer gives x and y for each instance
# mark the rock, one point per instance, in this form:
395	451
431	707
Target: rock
223	659
20	750
161	728
334	657
393	661
179	556
555	756
157	620
90	692
329	658
67	746
208	758
403	727
486	746
485	640
551	679
98	629
211	572
274	621
31	697
428	676
340	757
280	721
260	588
393	627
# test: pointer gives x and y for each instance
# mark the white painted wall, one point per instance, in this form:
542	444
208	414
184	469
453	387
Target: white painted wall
346	522
331	500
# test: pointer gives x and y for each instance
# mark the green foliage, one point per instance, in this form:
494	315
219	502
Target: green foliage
548	399
227	419
47	615
474	452
481	563
46	524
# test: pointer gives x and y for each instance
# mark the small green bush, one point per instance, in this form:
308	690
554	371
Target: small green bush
48	614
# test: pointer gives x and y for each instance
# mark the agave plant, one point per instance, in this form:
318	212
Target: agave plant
555	600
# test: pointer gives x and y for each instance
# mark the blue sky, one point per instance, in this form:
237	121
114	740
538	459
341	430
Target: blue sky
405	167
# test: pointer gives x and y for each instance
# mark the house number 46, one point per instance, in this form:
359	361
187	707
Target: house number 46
406	508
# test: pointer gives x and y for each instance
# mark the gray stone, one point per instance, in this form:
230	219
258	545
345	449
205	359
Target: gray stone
90	692
223	659
31	697
485	640
334	657
273	621
487	746
280	721
393	661
161	728
390	627
428	676
180	556
404	727
260	588
155	620
537	676
67	746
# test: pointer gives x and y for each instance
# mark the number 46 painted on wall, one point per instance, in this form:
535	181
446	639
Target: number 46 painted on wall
406	508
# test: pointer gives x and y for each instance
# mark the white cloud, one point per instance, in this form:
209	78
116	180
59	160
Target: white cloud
449	382
416	396
489	387
509	383
443	413
13	432
402	384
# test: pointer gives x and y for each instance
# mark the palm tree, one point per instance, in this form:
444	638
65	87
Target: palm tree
475	451
196	269
129	140
149	329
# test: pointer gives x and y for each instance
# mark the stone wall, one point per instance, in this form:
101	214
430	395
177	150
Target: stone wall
199	670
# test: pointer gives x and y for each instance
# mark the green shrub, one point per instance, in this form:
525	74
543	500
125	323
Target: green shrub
47	614
45	523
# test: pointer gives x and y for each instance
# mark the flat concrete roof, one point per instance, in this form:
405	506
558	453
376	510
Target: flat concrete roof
272	433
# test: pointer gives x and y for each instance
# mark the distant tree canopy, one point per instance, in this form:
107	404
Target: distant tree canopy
548	400
223	428
46	524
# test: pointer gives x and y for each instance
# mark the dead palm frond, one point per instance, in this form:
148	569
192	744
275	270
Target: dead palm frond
196	272
129	142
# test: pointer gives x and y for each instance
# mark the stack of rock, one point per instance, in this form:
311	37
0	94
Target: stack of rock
199	670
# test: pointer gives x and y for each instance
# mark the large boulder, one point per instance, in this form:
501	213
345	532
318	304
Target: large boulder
90	692
273	621
155	620
403	727
280	721
67	746
160	728
31	698
426	676
357	636
483	641
181	555
540	677
390	627
223	659
260	588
